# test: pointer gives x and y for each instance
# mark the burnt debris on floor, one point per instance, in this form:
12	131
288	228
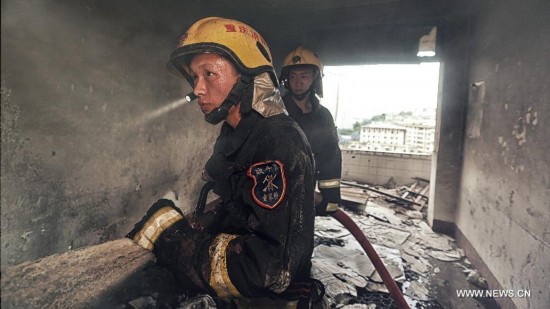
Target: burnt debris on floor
427	266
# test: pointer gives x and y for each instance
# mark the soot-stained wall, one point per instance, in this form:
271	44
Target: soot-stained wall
88	137
504	202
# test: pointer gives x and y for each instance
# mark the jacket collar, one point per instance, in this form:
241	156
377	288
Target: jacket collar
293	108
230	140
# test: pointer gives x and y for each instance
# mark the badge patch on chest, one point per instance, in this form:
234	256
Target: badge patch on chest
269	183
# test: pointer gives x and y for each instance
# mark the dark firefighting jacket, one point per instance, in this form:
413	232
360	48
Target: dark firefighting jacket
261	238
320	130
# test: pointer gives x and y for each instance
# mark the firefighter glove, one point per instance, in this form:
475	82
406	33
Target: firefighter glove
159	218
323	207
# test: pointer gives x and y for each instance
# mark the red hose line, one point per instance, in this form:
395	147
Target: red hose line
349	224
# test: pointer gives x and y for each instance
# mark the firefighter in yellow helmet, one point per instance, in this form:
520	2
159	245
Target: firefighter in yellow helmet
255	246
302	75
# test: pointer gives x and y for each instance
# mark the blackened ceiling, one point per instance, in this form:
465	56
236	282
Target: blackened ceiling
341	31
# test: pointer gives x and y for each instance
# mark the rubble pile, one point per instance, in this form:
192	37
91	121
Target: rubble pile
410	250
427	266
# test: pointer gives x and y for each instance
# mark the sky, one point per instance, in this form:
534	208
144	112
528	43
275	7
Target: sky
369	90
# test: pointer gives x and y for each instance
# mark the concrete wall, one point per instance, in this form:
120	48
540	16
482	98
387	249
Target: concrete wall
378	167
504	199
88	140
447	156
85	147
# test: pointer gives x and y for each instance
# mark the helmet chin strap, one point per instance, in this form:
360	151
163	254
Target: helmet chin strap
234	97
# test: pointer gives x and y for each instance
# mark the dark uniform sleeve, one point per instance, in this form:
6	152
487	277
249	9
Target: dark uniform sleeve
271	242
329	163
280	243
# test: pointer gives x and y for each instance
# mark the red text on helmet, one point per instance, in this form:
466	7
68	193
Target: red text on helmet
246	31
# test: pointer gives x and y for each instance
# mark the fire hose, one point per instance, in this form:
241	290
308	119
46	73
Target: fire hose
349	224
352	227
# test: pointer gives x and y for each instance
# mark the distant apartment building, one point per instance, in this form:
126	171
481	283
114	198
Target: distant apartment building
388	137
382	136
420	137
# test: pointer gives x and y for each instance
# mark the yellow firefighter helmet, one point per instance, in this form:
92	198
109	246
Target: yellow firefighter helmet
303	57
237	41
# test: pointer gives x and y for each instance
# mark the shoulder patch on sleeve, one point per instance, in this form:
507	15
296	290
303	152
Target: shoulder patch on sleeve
269	183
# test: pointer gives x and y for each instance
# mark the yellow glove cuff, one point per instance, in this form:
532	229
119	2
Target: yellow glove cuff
155	225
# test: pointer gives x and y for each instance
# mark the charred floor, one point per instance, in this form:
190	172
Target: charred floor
430	269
